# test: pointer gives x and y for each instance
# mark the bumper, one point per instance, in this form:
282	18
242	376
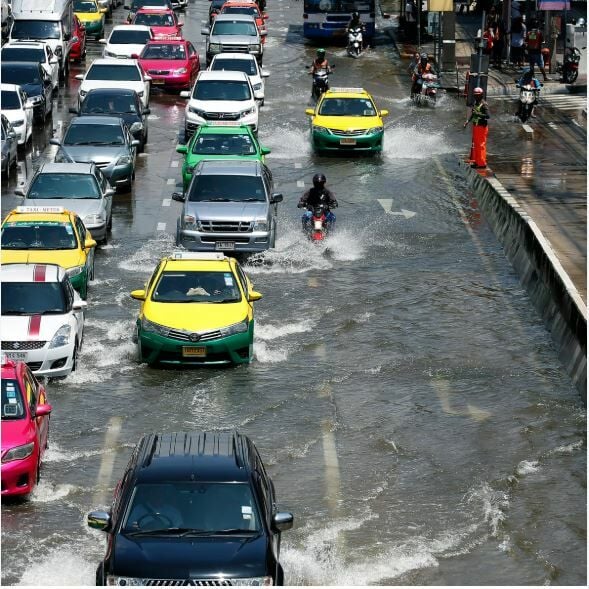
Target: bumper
256	241
19	476
118	175
328	142
193	122
98	232
52	362
233	349
170	81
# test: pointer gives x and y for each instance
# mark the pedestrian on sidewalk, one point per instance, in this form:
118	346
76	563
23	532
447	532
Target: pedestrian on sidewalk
498	28
534	42
518	36
488	39
479	116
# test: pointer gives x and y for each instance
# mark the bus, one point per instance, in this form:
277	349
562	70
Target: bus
328	19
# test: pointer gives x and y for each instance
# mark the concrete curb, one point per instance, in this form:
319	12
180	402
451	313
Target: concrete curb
554	295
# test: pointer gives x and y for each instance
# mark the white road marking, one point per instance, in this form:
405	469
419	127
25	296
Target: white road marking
298	165
387	205
171	181
174	164
527	128
103	481
166	202
552	125
300	183
161	226
143	154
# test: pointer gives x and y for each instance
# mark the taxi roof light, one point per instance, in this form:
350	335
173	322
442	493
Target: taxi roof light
351	90
40	210
181	255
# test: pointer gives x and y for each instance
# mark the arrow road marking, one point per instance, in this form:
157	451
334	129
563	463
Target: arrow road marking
387	205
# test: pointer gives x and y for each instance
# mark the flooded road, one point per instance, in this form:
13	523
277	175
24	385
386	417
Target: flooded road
405	397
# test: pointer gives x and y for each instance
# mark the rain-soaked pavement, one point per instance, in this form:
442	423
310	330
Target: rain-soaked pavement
405	396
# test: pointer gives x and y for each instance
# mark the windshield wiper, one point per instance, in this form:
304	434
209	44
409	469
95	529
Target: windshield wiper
230	531
171	532
252	200
216	200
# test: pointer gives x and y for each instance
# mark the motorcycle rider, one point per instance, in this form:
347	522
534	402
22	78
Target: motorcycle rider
317	195
528	79
320	63
423	67
356	22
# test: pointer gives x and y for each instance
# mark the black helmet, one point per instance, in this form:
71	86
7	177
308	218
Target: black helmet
319	180
355	15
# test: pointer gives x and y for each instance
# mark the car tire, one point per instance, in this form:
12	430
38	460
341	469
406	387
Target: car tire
108	230
91	277
38	474
75	357
279	576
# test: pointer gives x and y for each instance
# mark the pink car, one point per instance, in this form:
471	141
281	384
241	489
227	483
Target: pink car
162	21
170	63
25	428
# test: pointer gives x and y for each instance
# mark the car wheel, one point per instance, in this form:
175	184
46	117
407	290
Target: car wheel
75	357
92	268
38	475
280	576
109	229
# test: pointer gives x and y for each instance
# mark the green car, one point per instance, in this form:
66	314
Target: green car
219	142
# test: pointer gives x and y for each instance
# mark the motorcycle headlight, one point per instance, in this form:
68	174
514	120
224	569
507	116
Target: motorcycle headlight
180	71
62	335
319	129
240	327
124	160
93	219
254	47
261	225
258	86
19	452
151	327
215	47
18	123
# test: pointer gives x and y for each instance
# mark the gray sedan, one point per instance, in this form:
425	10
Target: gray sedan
107	142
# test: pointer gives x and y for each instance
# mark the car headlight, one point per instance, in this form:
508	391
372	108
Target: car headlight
151	327
18	123
125	581
240	327
35	99
374	130
124	160
74	271
258	86
61	158
19	452
261	225
191	222
254	582
196	111
95	219
182	70
215	47
249	111
62	335
83	93
319	129
254	47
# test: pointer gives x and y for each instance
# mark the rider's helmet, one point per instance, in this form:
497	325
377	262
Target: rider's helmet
478	91
423	57
356	15
320	53
319	180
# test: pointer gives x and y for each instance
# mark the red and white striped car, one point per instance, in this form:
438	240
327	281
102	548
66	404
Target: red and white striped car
42	319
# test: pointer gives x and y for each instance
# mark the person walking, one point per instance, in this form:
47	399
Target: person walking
479	117
518	36
534	42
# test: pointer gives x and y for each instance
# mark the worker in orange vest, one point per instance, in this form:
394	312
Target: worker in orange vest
479	117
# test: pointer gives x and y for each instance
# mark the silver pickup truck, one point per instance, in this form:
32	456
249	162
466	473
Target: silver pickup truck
229	206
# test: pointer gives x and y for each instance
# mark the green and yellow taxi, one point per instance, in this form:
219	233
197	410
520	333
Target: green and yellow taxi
49	235
346	119
90	14
197	308
220	140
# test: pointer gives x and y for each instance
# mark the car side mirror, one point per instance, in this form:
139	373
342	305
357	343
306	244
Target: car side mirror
276	197
41	410
254	296
205	31
384	112
147	111
265	16
109	192
309	111
11	134
135	143
178	196
54	141
89	243
79	305
73	110
99	520
263	33
180	25
75	39
147	78
66	37
265	74
19	191
265	150
282	521
185	94
138	295
102	41
182	148
134	56
79	76
386	15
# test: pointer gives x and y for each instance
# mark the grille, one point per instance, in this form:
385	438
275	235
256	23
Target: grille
235	48
102	164
243	240
185	335
34	366
226	226
188	582
349	133
226	116
33	345
159	72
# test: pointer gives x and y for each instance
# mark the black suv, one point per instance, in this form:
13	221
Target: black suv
193	509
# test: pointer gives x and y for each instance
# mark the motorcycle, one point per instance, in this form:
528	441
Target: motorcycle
317	228
355	41
428	90
570	67
320	83
528	96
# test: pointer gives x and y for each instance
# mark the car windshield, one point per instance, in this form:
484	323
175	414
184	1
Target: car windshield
137	4
85	6
154	20
12	400
221	90
223	144
35	29
192	507
38	235
94	135
234	27
226	188
21	74
347	107
32	298
247	66
114	73
9	100
98	103
164	51
240	10
128	37
196	287
23	54
58	185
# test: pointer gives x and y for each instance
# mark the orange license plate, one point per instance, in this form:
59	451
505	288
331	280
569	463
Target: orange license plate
194	351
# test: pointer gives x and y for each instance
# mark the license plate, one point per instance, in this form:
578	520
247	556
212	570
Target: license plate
194	351
347	141
225	245
157	82
16	355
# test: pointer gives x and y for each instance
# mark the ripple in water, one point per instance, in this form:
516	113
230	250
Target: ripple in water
287	142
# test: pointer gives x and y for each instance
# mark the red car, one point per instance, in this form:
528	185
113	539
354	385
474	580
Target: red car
171	63
25	428
78	50
247	7
162	21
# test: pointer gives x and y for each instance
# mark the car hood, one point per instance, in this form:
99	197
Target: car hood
347	123
88	16
21	328
65	258
87	85
163	64
227	211
32	89
126	49
16	432
80	206
221	105
95	153
14	115
185	558
234	39
196	316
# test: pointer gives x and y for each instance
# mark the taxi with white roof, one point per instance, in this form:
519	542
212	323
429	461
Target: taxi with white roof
346	119
49	235
197	308
42	318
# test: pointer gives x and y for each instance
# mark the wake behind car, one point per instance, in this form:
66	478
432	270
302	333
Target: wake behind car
229	206
107	142
115	73
346	119
194	508
42	318
49	235
25	428
125	41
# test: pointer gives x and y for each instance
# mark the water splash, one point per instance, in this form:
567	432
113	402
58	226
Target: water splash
270	332
527	467
56	454
60	567
415	143
45	492
287	142
145	258
269	354
493	504
568	448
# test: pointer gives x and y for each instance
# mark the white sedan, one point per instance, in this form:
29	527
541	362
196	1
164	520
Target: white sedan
17	111
246	63
115	73
125	41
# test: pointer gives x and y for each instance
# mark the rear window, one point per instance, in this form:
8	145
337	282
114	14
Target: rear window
246	66
23	54
129	37
114	73
226	188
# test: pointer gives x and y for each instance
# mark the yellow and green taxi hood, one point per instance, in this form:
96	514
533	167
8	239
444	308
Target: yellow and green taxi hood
64	258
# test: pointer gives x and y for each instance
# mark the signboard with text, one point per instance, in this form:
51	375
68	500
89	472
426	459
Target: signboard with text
441	5
554	5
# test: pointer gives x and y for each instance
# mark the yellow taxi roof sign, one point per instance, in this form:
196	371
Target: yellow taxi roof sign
40	210
203	256
349	90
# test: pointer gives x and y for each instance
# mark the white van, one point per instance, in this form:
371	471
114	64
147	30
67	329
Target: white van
51	21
